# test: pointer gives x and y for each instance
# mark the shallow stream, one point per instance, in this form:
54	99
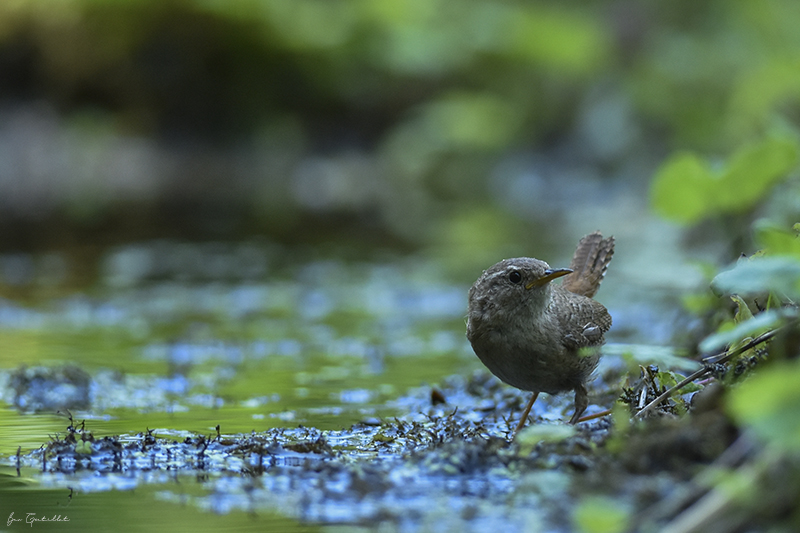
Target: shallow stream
222	384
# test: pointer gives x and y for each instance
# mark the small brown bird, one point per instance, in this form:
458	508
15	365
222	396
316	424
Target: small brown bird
537	336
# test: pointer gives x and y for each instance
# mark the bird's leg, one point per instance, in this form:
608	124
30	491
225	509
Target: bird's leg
526	413
581	402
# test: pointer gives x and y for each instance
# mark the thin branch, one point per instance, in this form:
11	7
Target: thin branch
726	356
601	414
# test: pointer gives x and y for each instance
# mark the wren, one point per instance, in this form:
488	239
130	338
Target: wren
539	336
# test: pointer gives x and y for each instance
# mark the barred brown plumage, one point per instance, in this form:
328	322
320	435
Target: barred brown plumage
537	336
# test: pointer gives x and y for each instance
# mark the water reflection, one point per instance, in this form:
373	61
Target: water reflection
300	344
188	337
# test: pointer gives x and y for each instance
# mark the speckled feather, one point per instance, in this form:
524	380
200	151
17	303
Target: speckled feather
589	264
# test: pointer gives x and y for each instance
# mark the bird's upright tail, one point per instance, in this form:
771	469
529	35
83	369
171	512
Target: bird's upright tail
589	264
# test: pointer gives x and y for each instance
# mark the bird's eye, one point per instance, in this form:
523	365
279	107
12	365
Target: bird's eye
514	277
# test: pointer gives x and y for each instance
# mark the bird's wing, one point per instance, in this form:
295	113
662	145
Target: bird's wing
583	320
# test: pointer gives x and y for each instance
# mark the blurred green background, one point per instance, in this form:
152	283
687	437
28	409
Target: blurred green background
473	129
266	213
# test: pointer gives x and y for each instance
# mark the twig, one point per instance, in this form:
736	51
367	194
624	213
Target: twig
726	356
601	414
741	349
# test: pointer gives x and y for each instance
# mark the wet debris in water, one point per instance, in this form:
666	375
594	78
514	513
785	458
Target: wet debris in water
451	463
444	464
41	388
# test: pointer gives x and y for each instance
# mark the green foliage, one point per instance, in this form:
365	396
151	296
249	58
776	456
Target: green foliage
769	403
458	122
760	275
748	329
742	328
470	121
711	73
428	93
471	239
636	355
601	515
558	38
776	240
743	312
667	380
770	279
83	447
763	89
682	188
721	71
532	435
687	189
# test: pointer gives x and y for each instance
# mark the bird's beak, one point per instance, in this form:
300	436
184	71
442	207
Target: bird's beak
549	275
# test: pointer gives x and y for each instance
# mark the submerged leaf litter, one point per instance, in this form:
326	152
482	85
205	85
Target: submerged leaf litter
436	465
181	329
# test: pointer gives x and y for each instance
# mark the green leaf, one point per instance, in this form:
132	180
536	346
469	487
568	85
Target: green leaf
776	240
762	89
760	275
83	447
742	310
558	39
532	435
686	190
597	514
769	403
667	379
682	188
471	121
647	354
752	171
749	328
